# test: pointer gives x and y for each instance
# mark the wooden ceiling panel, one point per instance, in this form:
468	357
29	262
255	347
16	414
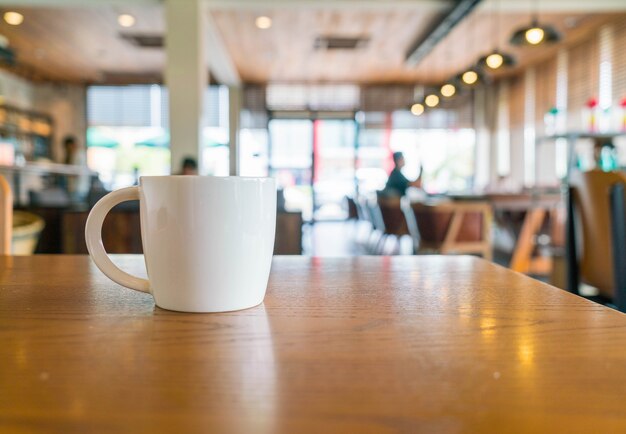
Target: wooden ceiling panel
82	44
286	53
483	31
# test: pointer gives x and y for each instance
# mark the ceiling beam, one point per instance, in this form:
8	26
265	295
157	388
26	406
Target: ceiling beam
440	30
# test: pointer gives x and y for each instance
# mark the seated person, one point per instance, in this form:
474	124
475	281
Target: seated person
397	184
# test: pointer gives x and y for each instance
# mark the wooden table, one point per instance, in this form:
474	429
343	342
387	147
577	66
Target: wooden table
535	208
363	345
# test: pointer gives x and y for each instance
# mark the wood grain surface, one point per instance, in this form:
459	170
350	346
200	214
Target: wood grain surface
350	345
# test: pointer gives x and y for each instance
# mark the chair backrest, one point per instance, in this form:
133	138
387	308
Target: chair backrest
6	217
591	205
392	215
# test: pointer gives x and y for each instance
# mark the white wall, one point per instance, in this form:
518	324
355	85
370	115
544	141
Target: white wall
66	105
64	102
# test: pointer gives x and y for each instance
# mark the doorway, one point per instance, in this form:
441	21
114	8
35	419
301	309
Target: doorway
313	161
334	167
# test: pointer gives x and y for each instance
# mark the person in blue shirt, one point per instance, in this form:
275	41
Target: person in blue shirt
397	183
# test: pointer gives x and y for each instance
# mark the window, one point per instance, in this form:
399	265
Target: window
446	155
253	152
291	162
128	134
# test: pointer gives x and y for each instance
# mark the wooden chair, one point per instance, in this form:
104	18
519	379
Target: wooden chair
6	217
394	222
596	235
451	227
393	218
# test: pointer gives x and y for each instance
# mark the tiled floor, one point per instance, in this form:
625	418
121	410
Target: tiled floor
327	239
330	239
340	239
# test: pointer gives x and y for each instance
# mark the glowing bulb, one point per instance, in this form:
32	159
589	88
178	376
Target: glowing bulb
263	22
494	61
448	90
417	109
13	18
469	77
126	20
534	35
432	100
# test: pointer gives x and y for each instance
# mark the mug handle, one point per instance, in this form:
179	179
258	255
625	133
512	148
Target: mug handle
93	237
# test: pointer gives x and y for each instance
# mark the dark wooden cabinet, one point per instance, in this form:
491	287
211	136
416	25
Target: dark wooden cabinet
121	232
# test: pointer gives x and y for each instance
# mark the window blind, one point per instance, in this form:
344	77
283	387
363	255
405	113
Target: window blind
619	62
134	106
583	78
119	106
545	92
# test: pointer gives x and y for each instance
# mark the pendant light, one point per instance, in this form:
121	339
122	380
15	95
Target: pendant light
448	89
535	34
431	100
471	76
496	59
417	109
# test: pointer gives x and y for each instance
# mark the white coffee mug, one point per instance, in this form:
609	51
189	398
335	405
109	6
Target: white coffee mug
207	241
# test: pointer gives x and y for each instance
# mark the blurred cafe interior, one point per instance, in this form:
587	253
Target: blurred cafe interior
493	111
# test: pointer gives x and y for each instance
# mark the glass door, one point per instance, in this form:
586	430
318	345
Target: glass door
333	167
291	162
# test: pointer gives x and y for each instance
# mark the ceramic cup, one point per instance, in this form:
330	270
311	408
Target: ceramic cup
207	241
